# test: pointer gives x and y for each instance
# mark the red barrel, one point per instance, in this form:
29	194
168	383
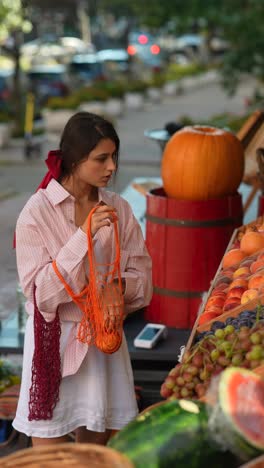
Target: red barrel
186	240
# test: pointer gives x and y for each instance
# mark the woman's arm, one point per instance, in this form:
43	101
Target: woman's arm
34	266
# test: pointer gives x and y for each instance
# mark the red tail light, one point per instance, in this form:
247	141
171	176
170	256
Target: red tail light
155	49
131	50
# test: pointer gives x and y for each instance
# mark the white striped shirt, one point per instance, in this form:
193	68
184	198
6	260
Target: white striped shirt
46	231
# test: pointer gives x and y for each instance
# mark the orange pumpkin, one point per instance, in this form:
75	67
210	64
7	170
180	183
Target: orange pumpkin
200	163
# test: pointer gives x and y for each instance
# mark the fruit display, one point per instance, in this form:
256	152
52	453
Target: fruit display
195	156
239	280
239	341
182	432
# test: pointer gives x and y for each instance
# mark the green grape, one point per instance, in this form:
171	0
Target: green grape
255	338
215	354
237	359
219	333
228	329
225	346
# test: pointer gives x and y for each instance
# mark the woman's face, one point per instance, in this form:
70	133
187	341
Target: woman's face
100	165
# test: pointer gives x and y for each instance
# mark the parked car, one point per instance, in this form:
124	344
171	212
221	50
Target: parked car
145	52
86	69
116	62
48	81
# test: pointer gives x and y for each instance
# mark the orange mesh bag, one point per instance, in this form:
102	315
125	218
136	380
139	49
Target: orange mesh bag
101	301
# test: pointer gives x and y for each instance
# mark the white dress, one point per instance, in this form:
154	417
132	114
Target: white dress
99	396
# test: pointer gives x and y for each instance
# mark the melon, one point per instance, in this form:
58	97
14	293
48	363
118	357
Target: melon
237	420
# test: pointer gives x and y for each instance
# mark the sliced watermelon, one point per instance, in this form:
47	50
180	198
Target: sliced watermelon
237	420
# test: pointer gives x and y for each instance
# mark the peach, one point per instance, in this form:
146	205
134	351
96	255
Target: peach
220	287
229	273
217	296
248	295
241	271
222	279
251	242
240	281
231	303
216	310
246	262
232	257
257	265
237	291
260	256
256	281
217	301
206	317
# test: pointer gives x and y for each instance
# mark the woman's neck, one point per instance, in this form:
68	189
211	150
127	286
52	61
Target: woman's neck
82	193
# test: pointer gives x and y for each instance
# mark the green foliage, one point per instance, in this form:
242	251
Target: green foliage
5	117
136	86
9	374
226	121
176	72
114	89
157	80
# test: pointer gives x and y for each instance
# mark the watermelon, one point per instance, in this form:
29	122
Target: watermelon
237	419
173	434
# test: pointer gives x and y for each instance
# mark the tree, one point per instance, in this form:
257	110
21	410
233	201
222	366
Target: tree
13	24
239	22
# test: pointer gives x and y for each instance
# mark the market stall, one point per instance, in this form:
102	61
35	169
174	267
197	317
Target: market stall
213	399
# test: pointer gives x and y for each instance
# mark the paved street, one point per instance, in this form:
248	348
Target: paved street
139	157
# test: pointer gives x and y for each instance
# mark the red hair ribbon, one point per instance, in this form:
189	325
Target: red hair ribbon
53	163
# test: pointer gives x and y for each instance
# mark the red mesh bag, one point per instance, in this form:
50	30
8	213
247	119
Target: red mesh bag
101	301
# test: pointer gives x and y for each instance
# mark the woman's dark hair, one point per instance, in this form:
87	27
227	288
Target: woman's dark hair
80	136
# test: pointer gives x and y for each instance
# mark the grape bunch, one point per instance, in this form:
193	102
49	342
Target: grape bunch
226	346
246	318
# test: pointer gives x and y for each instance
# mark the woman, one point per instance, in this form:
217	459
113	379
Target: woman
88	392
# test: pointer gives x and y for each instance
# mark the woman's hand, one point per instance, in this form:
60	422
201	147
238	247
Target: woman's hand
103	216
113	306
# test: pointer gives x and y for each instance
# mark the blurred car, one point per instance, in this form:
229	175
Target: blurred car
116	61
86	69
145	51
6	77
74	45
48	81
